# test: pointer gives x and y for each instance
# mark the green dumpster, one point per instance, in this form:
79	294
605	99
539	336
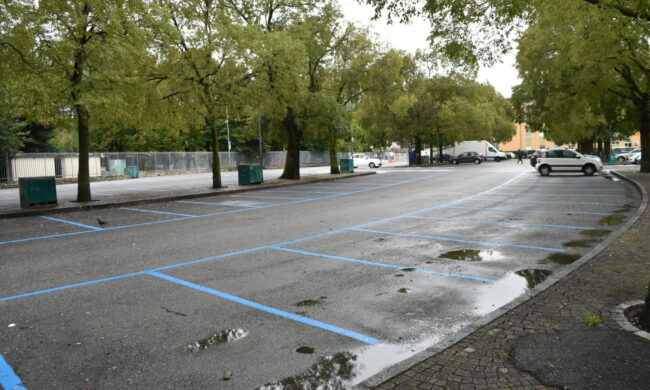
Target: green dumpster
249	174
132	172
612	158
346	165
424	159
37	190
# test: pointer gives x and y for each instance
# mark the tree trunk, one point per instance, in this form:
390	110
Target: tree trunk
216	162
83	178
334	161
418	150
442	157
292	164
644	317
431	150
644	128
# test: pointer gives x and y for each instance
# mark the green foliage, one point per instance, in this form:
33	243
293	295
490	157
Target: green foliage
591	319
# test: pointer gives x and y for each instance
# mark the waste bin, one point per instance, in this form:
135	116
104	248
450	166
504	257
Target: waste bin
424	160
346	165
37	190
249	174
612	158
132	172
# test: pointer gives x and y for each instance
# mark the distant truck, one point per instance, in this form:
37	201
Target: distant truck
489	151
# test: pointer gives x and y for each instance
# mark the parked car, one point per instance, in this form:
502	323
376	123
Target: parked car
474	157
361	159
635	158
445	157
534	155
625	156
510	155
566	160
620	150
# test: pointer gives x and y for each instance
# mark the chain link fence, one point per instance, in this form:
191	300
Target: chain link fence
66	165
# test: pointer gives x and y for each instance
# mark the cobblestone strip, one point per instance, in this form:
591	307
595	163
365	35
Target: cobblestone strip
620	273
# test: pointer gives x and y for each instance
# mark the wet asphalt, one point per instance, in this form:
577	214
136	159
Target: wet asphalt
329	282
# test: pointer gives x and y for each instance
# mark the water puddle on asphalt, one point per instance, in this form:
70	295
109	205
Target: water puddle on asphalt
491	296
472	255
563	258
329	372
534	276
310	302
625	208
612	219
225	336
595	233
403	290
580	243
305	350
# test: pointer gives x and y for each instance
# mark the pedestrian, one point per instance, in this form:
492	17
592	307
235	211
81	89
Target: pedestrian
520	156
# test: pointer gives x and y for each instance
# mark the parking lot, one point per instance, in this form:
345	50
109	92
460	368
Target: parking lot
321	283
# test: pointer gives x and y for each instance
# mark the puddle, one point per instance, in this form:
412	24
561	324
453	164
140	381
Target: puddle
595	233
580	243
612	219
472	255
330	372
625	208
534	276
398	275
225	336
611	178
492	296
403	290
408	269
305	350
310	302
563	258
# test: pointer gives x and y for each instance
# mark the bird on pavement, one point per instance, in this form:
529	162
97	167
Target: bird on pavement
101	222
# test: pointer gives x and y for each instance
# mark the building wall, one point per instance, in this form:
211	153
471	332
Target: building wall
633	141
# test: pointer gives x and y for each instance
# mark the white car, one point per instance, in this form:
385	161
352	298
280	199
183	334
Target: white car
625	156
361	160
566	160
635	158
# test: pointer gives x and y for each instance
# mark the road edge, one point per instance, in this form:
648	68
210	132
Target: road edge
406	364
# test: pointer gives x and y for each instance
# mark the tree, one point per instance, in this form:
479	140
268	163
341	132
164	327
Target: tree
75	56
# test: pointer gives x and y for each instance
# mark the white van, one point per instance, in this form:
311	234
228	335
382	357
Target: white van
485	148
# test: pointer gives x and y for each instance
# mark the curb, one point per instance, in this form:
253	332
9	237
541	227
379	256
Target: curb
442	345
223	191
618	313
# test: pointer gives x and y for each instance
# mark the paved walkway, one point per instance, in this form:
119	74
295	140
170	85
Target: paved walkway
483	359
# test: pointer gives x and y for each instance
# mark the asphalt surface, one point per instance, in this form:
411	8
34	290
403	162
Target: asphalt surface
368	271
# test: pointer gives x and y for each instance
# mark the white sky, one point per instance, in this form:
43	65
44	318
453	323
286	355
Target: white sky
411	37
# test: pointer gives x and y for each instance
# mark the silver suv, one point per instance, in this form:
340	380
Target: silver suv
566	160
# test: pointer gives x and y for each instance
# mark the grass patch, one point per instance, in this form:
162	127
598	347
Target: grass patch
612	219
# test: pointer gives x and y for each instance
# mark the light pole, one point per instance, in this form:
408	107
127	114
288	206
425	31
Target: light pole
259	133
228	136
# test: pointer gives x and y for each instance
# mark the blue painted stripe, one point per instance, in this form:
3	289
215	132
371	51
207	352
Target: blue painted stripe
513	187
541	248
391	266
537	194
270	310
548	202
72	223
527	211
49	290
502	223
159	212
217	204
267	197
8	378
208	259
301	200
305	192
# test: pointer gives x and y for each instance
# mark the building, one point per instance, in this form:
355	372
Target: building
524	139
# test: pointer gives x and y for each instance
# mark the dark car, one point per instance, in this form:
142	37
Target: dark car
474	157
534	156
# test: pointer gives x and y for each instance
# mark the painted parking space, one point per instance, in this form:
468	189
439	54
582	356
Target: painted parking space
383	279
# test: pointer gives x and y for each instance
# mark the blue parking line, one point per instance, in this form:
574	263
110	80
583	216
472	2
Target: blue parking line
308	321
550	195
548	202
8	378
267	197
568	189
160	212
528	211
72	223
217	204
300	200
49	290
486	243
305	192
502	223
384	265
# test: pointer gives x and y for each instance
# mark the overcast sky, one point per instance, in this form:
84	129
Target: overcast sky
414	36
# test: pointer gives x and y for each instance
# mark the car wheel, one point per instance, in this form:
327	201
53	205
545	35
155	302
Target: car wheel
497	159
455	162
621	159
589	170
544	170
477	161
371	165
